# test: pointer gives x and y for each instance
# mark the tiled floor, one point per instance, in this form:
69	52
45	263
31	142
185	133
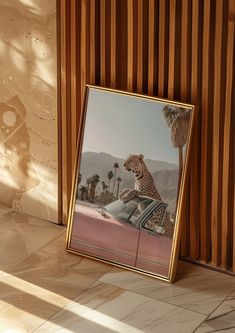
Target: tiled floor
44	289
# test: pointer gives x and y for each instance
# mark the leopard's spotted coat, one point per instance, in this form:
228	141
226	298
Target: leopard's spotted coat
144	186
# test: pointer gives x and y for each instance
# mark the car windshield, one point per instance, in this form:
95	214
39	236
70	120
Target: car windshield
130	211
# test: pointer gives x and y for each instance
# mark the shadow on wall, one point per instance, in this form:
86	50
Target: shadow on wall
20	175
28	106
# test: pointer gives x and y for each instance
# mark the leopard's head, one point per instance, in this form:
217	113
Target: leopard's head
135	164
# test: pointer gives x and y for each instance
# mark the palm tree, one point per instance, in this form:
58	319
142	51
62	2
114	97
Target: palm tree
110	176
118	185
79	181
94	181
103	185
177	119
88	187
115	172
83	189
88	181
79	177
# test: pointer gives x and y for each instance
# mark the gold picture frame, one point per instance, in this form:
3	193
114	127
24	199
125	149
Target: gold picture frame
105	222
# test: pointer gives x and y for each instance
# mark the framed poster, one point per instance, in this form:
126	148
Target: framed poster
129	178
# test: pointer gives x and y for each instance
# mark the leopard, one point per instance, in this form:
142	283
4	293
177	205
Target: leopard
145	186
161	223
144	183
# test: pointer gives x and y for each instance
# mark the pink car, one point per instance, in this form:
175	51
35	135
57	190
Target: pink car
120	233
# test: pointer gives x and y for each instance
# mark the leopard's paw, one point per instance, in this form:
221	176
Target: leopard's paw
123	192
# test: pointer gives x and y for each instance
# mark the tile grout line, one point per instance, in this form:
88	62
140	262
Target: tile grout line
154	299
213	310
28	255
70	301
180	306
231	293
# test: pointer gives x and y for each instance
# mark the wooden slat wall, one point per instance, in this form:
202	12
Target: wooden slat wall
178	49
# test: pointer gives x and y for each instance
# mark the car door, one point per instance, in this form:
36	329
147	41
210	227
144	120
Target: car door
104	236
154	249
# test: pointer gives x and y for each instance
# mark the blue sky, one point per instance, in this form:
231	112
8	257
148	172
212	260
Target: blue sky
121	125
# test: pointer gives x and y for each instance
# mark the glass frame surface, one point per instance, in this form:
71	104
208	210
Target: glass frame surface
152	207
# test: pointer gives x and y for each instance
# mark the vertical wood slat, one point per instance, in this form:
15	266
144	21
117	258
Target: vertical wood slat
233	225
227	146
216	154
102	43
232	19
130	44
151	49
185	86
231	10
63	89
59	112
83	51
204	228
233	208
171	65
92	43
185	47
161	48
140	42
194	197
113	45
74	55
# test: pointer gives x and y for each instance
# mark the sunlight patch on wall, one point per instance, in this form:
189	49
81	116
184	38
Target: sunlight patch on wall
28	107
18	60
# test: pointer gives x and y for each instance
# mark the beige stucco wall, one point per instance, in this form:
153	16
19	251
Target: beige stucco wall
28	107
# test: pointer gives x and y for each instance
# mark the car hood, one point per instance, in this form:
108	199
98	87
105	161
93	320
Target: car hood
93	213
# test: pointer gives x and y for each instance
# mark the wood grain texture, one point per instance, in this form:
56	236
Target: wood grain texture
83	50
92	54
64	59
232	10
151	47
74	76
216	151
195	175
162	63
204	216
185	89
228	149
130	44
113	45
168	48
185	50
231	247
140	42
102	43
172	41
233	225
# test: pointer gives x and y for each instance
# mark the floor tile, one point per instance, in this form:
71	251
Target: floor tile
197	289
40	285
223	319
21	235
104	308
53	268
